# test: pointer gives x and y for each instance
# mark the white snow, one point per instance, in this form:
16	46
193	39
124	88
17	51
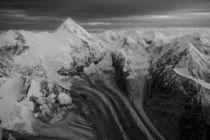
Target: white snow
64	99
7	38
72	27
200	58
35	90
14	115
185	73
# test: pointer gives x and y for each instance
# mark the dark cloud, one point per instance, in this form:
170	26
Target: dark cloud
54	11
179	20
97	8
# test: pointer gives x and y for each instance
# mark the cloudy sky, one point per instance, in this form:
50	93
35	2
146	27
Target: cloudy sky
97	15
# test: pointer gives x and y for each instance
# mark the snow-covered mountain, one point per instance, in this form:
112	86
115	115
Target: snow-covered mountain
176	83
30	58
149	83
177	86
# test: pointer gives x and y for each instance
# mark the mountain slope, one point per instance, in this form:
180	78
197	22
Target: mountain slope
177	87
40	57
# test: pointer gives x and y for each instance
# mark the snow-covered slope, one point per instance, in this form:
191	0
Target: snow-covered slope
197	68
30	58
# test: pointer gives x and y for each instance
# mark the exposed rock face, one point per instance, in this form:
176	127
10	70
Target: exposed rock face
176	104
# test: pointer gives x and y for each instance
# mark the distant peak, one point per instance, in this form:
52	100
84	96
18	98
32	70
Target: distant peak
70	26
68	21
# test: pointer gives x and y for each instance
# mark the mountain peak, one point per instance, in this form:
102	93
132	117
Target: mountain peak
68	22
70	26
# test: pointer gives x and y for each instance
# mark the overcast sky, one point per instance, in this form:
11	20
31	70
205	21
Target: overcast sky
104	14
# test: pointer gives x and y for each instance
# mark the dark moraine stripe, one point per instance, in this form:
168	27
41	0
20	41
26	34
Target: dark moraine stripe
103	112
115	117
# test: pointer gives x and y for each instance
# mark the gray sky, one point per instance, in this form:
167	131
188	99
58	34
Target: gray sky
104	14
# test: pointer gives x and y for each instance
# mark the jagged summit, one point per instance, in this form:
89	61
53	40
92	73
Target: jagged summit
70	26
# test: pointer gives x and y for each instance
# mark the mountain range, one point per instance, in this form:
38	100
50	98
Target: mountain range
71	84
